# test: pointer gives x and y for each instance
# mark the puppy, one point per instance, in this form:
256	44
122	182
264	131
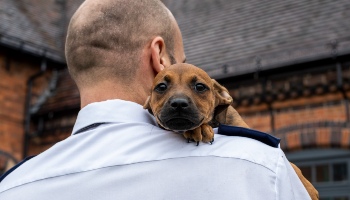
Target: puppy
186	100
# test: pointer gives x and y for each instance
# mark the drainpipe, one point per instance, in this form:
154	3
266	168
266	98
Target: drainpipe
268	102
334	45
27	114
269	106
63	22
342	90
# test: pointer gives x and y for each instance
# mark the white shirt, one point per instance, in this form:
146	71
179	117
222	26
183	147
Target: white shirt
130	157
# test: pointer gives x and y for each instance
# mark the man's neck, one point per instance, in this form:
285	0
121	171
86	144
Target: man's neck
106	91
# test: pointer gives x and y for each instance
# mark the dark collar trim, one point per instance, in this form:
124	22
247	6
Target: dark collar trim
3	176
92	126
253	134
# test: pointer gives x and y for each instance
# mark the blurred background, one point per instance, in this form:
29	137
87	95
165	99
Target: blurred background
286	64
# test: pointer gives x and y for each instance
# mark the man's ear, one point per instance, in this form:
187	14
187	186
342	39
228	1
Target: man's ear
147	105
222	97
159	55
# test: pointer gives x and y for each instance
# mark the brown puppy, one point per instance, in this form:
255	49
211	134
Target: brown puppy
185	99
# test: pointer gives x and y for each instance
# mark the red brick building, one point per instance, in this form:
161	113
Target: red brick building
31	62
287	65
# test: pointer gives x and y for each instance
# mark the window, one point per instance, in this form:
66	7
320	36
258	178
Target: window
322	173
326	172
307	172
335	198
327	169
340	172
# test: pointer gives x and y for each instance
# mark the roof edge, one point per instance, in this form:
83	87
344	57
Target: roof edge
31	48
224	71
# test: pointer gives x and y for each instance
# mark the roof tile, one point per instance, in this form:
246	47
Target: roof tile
233	33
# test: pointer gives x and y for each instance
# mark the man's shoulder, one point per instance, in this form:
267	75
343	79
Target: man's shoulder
253	146
106	147
244	144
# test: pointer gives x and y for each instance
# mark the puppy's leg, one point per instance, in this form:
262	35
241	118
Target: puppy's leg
309	187
231	117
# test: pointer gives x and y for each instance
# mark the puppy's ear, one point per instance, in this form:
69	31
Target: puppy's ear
147	105
222	97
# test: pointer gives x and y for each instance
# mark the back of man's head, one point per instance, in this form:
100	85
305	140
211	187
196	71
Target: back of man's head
105	38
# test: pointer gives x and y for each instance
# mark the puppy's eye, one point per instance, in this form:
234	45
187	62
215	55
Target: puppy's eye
199	87
161	87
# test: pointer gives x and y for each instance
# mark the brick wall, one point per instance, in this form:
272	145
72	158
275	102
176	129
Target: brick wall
307	110
316	121
259	121
14	73
40	144
56	128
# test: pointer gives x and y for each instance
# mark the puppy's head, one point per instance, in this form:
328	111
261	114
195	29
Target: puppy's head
183	97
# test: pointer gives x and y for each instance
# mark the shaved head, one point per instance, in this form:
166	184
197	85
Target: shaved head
105	38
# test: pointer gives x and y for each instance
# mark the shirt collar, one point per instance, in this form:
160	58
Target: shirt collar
112	111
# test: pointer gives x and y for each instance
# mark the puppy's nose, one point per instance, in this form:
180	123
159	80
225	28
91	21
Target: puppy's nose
179	103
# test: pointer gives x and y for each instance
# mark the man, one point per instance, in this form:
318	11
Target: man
114	49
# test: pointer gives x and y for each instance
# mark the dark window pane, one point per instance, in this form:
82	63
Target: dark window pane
341	198
334	198
340	172
306	170
322	173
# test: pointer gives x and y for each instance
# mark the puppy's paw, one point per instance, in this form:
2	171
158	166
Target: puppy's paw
207	133
188	136
193	135
204	133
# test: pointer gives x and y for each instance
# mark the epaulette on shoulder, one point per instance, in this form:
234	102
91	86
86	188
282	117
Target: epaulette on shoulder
249	133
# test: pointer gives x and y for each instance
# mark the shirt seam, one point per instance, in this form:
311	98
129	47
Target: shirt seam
82	171
277	171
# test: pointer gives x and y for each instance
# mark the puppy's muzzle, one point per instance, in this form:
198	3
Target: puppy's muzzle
179	114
